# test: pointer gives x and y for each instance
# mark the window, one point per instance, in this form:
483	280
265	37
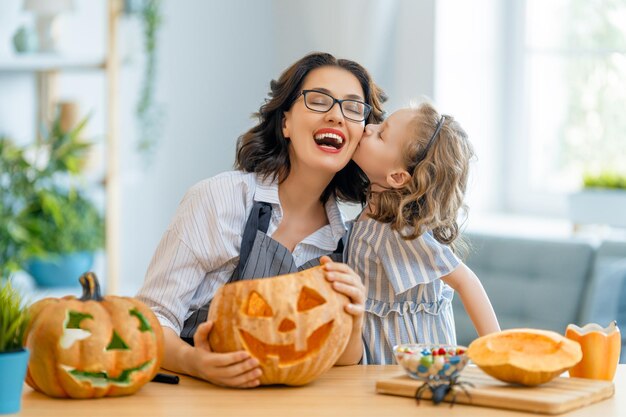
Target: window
568	98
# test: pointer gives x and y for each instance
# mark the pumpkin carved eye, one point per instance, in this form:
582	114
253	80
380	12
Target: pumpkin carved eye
257	306
309	298
144	324
71	329
74	318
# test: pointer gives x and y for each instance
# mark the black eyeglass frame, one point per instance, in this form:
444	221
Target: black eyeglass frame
367	108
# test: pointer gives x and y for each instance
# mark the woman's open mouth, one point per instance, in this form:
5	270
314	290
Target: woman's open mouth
330	140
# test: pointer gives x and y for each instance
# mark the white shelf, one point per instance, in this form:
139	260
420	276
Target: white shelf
46	69
49	62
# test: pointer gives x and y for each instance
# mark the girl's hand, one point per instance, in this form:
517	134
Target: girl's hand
345	281
234	369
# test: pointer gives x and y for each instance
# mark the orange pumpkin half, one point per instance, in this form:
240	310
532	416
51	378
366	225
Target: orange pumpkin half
295	324
93	346
524	356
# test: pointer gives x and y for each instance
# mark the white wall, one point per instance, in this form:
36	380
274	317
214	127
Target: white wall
216	60
214	70
468	85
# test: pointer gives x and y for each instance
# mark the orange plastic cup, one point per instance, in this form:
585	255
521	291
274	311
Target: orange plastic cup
601	349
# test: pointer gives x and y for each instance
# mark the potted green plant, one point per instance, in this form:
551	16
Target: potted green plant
65	223
70	229
601	201
50	227
14	319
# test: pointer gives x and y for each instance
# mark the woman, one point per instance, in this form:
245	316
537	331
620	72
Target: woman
275	214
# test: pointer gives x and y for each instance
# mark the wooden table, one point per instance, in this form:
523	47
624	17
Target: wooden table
343	391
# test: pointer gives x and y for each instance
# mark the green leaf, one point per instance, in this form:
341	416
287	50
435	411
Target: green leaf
13	317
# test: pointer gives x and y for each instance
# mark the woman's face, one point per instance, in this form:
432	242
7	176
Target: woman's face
381	150
323	142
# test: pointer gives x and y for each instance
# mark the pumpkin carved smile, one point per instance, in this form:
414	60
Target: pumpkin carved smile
286	354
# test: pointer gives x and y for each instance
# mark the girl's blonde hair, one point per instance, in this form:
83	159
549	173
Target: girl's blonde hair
432	199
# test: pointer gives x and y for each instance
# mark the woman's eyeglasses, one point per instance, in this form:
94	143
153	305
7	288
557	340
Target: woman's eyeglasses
320	102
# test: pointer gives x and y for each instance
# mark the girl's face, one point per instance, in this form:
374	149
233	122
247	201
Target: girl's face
381	150
324	142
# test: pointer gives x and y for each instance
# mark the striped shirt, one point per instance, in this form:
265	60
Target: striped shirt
200	249
406	301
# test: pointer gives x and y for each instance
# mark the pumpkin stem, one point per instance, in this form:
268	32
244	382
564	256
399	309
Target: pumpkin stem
91	287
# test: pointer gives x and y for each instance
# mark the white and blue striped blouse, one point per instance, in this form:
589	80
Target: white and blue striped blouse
406	301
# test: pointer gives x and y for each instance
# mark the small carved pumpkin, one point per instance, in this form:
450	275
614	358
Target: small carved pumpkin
93	346
295	324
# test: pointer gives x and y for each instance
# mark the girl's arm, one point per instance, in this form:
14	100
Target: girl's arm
347	282
474	298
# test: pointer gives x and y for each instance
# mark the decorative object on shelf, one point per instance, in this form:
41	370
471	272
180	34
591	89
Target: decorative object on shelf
25	40
149	112
601	349
46	13
524	356
93	346
601	201
14	319
48	216
294	325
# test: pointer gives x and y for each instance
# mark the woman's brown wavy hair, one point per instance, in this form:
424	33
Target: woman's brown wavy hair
264	150
433	198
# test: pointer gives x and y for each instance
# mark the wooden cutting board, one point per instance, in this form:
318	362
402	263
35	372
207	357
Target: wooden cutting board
555	397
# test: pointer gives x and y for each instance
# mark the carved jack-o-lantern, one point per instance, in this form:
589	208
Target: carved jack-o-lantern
93	346
294	324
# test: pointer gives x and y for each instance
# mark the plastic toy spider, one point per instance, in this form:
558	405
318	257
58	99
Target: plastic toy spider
439	389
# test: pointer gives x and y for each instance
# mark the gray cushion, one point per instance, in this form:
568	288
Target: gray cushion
606	294
531	283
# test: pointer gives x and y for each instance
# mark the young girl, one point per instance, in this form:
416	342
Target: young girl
276	214
417	162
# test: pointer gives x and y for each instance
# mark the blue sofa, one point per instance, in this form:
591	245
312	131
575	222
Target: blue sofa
547	284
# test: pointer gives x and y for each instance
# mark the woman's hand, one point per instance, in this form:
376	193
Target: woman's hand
345	281
235	369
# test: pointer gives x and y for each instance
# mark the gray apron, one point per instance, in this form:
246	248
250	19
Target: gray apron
260	257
